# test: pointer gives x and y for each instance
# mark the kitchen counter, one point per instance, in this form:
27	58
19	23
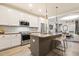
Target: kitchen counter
41	43
45	35
9	33
40	35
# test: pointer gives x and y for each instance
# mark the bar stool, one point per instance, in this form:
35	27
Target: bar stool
63	42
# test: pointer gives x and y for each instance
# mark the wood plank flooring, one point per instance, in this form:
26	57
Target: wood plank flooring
72	49
17	51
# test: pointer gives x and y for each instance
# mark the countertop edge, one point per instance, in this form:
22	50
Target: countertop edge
9	33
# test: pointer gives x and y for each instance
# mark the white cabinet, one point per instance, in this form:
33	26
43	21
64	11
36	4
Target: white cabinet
34	21
24	17
15	39
12	17
4	42
7	41
8	16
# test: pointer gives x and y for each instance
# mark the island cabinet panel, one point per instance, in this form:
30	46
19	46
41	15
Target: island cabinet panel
40	46
34	45
44	45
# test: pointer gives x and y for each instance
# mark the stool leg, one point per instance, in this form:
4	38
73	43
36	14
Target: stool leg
64	47
66	44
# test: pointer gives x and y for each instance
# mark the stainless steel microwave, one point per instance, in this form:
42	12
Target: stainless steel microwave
24	23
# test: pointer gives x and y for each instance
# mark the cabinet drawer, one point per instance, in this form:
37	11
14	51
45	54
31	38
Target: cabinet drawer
4	42
7	41
16	40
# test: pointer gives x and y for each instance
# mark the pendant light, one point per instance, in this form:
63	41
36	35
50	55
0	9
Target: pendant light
56	13
56	19
46	12
46	20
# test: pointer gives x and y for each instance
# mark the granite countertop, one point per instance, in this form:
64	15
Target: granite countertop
9	33
44	35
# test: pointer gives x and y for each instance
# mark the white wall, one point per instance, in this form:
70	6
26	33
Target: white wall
52	22
70	24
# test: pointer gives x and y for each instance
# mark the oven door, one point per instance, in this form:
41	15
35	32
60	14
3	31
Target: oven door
25	39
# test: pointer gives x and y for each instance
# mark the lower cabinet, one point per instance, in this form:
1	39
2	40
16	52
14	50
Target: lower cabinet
16	40
7	41
4	42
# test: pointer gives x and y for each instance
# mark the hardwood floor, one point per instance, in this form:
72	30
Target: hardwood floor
72	50
17	51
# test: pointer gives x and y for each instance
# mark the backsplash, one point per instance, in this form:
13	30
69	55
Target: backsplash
13	29
33	29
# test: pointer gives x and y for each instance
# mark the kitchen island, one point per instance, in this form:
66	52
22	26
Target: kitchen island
41	43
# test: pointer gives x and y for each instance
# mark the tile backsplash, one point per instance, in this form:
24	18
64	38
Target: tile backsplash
33	29
13	29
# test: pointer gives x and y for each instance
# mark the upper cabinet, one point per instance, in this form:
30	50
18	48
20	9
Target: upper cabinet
8	16
12	17
34	22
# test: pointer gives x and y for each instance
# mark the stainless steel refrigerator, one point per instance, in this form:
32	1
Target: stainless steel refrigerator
43	28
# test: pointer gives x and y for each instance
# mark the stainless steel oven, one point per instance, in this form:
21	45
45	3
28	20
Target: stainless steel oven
25	38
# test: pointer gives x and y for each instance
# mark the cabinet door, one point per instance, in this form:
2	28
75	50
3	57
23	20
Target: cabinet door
13	18
33	21
3	16
15	39
4	42
8	16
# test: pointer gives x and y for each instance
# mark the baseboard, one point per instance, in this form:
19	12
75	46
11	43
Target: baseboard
9	48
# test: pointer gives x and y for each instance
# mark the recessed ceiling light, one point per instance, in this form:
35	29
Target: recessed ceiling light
30	5
9	10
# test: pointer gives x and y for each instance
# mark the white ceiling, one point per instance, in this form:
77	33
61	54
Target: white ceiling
51	7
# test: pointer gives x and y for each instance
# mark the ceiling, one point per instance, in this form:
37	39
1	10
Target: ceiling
51	8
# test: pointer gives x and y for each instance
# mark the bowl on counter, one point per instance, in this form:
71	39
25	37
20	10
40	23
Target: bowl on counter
2	32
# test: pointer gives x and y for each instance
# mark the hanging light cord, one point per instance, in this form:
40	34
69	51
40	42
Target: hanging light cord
56	19
46	12
56	13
